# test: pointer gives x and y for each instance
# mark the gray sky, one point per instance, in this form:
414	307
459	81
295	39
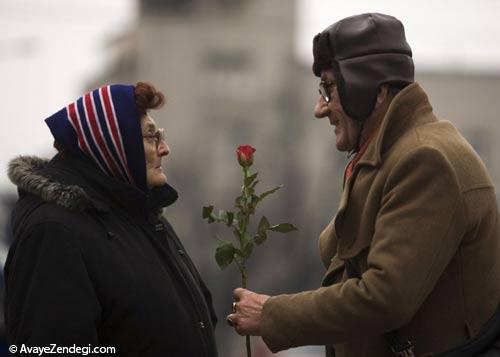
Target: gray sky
445	35
49	49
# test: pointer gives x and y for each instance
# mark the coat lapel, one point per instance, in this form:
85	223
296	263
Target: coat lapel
398	117
369	159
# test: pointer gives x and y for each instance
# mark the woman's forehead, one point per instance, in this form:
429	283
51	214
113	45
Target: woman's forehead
147	122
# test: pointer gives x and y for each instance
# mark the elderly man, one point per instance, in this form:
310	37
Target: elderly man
413	253
94	265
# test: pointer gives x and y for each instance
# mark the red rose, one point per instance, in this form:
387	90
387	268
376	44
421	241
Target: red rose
245	155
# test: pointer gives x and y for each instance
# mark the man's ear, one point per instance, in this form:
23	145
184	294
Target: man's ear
382	95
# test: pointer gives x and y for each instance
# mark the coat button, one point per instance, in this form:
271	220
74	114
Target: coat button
159	227
202	325
111	235
181	252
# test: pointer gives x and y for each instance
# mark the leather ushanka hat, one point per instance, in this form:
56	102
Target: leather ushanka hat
364	52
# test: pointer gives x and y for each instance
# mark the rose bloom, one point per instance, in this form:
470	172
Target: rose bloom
245	155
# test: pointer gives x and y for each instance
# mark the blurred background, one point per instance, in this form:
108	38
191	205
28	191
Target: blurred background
236	72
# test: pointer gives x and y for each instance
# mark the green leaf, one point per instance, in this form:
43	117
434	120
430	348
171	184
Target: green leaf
263	224
267	193
261	235
250	179
260	238
237	202
240	217
254	184
222	216
224	254
230	218
207	211
250	191
246	245
283	228
252	204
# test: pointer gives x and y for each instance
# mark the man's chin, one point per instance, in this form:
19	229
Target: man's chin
341	147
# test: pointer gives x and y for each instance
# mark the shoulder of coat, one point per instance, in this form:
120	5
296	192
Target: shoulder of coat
26	172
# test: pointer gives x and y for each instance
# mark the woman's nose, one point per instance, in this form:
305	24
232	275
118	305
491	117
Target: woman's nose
163	148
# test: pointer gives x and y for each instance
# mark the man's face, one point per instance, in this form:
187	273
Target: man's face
346	128
155	148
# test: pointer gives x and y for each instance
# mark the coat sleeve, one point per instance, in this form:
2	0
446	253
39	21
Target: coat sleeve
417	232
49	296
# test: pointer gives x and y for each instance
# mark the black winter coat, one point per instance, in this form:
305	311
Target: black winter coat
94	263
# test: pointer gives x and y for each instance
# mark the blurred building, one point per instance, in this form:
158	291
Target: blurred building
231	77
471	102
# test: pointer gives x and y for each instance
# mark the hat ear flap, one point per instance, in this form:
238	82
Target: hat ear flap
350	92
357	98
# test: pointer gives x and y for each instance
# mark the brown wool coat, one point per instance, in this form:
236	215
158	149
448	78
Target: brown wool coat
419	220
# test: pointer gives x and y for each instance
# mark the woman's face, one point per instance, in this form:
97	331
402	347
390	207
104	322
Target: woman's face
155	147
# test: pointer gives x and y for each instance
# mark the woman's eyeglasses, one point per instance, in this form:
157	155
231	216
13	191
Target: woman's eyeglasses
156	138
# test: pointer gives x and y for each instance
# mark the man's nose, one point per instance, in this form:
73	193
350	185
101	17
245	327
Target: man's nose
321	109
163	149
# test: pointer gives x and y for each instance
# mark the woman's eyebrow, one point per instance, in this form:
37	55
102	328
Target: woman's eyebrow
151	127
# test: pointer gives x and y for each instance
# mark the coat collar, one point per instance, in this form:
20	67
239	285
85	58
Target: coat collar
405	111
408	109
76	185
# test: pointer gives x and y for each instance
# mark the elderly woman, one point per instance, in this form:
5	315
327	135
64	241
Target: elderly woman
94	263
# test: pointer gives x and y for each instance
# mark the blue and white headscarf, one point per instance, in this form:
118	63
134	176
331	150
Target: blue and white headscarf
104	126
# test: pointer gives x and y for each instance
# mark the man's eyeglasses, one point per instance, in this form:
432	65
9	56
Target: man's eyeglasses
155	138
325	89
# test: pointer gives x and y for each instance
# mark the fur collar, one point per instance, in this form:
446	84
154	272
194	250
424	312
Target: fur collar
26	172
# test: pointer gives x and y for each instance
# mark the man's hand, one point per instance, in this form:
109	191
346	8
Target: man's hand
247	309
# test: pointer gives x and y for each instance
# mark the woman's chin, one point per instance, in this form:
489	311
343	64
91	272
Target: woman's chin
159	179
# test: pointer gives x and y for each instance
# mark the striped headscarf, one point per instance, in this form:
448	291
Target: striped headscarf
104	126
